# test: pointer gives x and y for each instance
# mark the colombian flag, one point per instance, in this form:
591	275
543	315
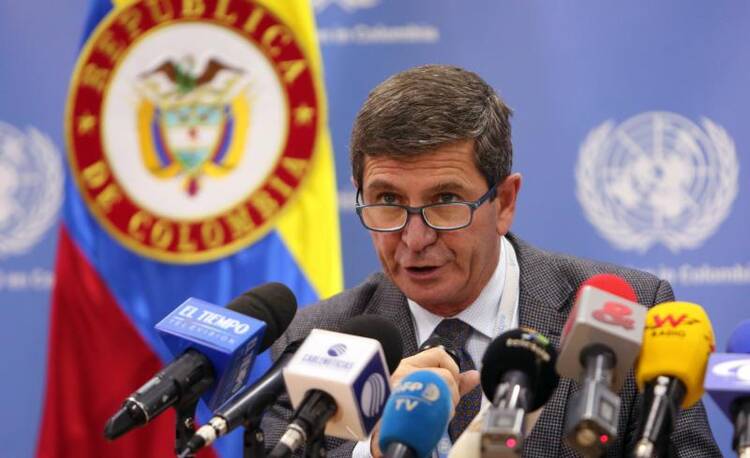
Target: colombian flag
199	164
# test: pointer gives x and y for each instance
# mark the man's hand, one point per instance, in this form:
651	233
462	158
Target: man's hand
437	361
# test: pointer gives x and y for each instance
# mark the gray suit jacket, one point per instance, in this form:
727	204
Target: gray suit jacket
547	286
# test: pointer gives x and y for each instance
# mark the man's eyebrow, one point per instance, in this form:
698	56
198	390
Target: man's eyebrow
380	185
447	186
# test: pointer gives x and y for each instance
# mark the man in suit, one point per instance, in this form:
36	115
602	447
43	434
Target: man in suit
431	160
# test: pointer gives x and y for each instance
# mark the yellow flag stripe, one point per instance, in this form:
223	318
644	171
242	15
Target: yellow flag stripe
310	226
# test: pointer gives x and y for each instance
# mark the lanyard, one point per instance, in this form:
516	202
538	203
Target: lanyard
508	310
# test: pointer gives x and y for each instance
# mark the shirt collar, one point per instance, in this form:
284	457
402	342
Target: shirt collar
481	315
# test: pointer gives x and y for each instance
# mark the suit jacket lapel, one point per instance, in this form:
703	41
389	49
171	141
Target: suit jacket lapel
388	301
544	293
545	296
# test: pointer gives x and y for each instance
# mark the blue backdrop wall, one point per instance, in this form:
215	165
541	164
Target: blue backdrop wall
630	129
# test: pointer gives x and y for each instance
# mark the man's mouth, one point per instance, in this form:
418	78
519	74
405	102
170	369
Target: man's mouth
421	271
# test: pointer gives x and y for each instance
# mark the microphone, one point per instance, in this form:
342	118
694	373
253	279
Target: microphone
436	341
600	341
217	347
415	416
246	406
250	403
739	341
518	375
728	384
338	382
666	380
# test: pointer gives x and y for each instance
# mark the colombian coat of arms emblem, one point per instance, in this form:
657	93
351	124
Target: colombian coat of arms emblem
191	124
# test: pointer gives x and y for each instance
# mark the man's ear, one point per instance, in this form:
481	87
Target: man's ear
505	202
354	182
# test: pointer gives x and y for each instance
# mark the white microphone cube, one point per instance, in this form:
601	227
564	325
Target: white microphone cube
352	370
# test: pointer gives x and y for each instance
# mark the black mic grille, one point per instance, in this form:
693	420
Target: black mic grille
272	303
382	330
528	352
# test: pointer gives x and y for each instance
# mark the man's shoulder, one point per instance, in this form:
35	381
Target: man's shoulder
334	312
573	270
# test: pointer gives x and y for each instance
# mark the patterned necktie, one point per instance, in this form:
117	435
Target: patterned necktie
457	333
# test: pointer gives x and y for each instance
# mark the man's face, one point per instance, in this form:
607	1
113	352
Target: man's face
443	271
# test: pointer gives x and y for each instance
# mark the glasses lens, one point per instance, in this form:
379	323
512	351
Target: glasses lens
383	217
448	216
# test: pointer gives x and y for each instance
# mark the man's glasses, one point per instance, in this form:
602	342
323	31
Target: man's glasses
439	216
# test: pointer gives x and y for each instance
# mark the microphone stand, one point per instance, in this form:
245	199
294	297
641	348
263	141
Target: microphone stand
254	441
315	447
185	425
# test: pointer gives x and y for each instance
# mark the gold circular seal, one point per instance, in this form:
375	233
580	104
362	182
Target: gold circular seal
190	125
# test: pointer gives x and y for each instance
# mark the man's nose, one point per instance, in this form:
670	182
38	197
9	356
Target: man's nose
417	235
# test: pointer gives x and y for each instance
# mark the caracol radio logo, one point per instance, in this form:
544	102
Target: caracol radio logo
31	188
186	149
657	178
373	395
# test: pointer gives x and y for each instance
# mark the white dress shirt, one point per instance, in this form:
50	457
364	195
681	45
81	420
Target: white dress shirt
494	312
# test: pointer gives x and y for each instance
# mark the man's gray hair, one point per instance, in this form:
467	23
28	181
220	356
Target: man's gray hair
426	107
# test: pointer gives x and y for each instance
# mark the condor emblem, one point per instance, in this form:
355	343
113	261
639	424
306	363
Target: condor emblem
190	125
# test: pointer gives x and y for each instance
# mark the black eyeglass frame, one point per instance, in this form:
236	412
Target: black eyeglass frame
473	205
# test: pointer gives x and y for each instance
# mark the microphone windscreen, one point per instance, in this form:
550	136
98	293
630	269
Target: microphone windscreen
739	341
382	330
417	413
523	350
272	303
677	342
612	284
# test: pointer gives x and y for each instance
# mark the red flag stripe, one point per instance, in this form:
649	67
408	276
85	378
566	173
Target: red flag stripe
96	358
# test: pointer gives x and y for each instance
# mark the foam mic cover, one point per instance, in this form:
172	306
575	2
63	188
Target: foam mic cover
605	314
739	341
677	342
380	329
272	303
611	283
526	351
416	414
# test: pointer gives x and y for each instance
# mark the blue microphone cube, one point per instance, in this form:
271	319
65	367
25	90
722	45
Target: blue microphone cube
727	378
230	340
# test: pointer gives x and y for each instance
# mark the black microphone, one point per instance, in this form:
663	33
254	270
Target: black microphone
245	406
193	372
339	383
518	375
436	341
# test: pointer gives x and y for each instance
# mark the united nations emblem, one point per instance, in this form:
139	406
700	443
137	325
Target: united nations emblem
190	125
657	178
31	188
